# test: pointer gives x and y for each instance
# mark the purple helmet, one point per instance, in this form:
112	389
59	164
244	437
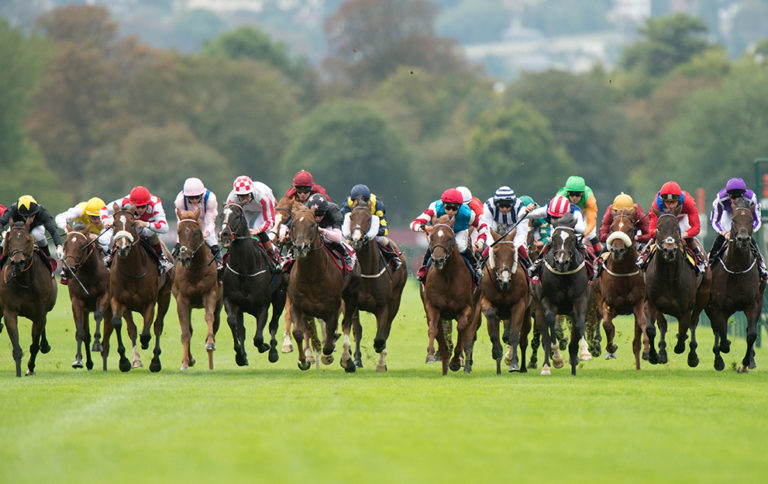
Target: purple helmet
735	184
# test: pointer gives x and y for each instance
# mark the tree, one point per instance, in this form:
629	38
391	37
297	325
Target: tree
514	146
345	142
190	29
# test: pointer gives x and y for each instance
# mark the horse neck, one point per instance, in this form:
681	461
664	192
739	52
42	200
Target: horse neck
244	253
629	261
202	256
92	264
454	263
136	258
368	256
317	256
669	269
735	258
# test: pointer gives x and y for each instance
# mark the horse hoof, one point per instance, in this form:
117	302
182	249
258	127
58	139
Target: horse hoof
77	364
558	363
184	368
96	348
610	356
585	356
646	356
155	366
350	367
125	365
532	364
273	356
513	368
679	347
467	369
326	359
287	348
137	364
241	360
752	365
29	373
595	352
210	346
192	361
545	370
45	348
742	369
693	360
144	339
358	363
381	368
454	365
725	346
89	365
305	365
663	357
719	363
263	348
431	359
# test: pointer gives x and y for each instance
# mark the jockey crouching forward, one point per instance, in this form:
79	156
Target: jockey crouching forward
88	214
379	229
501	212
27	208
329	220
258	204
194	196
579	194
450	203
556	209
150	222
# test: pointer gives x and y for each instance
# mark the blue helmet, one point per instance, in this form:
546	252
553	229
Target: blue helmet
360	191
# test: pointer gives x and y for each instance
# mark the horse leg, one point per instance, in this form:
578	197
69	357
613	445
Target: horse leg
132	335
87	342
235	317
443	347
211	307
274	324
610	334
526	329
258	336
682	333
78	313
560	322
105	343
433	321
287	346
11	322
98	316
663	338
45	347
347	362
593	327
34	348
545	320
535	343
650	329
117	324
467	332
154	364
693	358
183	310
516	325
298	335
579	329
383	327
493	332
357	331
752	313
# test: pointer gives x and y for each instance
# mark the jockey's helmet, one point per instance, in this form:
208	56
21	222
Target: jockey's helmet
558	206
623	201
360	191
670	191
318	203
575	184
93	206
452	196
503	194
193	187
27	206
526	200
140	196
466	195
735	187
243	185
303	179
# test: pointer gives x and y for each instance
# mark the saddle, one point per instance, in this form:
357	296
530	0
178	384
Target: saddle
339	259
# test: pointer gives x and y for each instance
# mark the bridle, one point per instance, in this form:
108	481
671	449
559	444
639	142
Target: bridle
28	260
233	231
554	252
185	250
498	272
732	240
441	246
86	251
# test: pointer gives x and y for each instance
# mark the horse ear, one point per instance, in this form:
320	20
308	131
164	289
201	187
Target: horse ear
677	209
197	213
66	229
655	212
28	223
115	207
494	235
178	213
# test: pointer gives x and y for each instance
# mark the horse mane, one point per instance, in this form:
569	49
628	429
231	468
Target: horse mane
629	212
19	225
497	236
188	214
566	220
78	226
742	202
444	219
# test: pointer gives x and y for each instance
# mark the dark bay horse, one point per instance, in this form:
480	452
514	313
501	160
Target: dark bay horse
380	287
249	285
82	256
673	287
736	286
504	296
318	288
26	289
620	289
563	290
135	285
196	284
447	295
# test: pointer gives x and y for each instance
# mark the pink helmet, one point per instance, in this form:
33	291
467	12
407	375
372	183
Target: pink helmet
451	196
193	187
558	206
140	196
243	185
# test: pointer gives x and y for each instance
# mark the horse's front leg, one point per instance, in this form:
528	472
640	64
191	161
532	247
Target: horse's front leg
693	358
117	325
210	305
492	322
752	313
357	331
11	321
298	335
663	327
432	330
154	364
234	320
78	314
287	346
183	310
347	361
465	339
258	336
516	325
548	338
98	316
34	348
650	329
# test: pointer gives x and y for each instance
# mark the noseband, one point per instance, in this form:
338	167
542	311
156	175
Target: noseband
78	263
447	252
234	230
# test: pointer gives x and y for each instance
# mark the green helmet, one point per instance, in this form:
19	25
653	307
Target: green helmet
526	200
575	184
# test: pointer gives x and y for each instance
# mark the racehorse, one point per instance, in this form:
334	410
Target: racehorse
620	288
88	291
564	290
380	287
195	284
319	288
673	287
447	295
279	234
736	286
504	296
26	289
136	285
249	285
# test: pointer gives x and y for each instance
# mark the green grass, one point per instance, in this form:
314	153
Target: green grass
273	423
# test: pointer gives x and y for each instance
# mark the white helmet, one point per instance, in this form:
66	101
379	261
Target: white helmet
243	185
466	195
193	187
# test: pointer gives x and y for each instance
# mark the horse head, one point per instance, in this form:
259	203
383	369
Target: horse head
19	247
502	259
668	238
304	231
442	240
233	225
126	235
622	233
359	224
283	215
190	234
741	223
78	247
563	250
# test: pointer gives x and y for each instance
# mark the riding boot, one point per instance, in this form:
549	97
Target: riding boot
108	258
717	245
164	265
392	258
476	273
421	274
176	249
216	251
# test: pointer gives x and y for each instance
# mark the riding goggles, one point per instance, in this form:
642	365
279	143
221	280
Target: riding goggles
451	206
735	193
670	197
575	194
504	205
303	189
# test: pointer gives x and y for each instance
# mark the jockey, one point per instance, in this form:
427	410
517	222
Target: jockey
669	199
2	209
304	186
450	203
24	209
378	219
86	213
258	204
476	206
580	194
540	229
501	212
722	213
625	202
150	221
552	212
194	196
329	220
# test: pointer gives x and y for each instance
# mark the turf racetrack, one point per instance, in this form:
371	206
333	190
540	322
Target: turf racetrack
274	423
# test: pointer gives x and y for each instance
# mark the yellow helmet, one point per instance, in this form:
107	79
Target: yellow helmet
27	205
623	201
93	206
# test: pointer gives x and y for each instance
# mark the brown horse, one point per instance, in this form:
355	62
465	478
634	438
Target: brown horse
196	285
620	288
504	296
88	291
279	230
673	287
447	295
135	285
736	286
380	287
319	288
26	289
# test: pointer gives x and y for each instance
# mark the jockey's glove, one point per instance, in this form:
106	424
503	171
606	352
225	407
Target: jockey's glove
60	251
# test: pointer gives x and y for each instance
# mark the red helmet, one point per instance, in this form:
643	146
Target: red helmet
243	185
303	179
670	188
452	196
140	196
558	206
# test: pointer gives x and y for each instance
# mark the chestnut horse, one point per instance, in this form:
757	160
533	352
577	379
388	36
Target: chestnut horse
673	287
447	295
736	286
249	285
279	234
26	289
620	288
318	288
380	287
504	296
196	284
82	258
136	285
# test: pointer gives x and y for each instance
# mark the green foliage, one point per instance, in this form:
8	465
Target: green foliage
29	174
346	142
190	29
712	62
514	146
